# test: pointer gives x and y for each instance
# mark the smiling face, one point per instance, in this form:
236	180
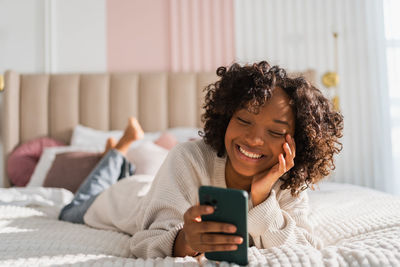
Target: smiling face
253	142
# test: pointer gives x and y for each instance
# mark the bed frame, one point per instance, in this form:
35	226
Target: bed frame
36	105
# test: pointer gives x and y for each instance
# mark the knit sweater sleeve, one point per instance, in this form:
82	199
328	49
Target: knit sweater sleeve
161	215
282	220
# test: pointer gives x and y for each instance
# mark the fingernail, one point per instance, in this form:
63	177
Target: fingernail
209	209
238	240
232	229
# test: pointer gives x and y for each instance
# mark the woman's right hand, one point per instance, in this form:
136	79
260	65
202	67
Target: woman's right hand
207	236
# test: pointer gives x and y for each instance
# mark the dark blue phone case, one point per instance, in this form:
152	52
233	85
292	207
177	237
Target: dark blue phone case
230	207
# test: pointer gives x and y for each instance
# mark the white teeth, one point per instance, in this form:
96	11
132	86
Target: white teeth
249	154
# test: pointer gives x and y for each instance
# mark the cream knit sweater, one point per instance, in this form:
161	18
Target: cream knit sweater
154	215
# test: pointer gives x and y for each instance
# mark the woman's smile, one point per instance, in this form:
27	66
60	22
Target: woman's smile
247	154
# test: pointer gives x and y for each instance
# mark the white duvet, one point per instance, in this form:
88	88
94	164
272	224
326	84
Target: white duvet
359	227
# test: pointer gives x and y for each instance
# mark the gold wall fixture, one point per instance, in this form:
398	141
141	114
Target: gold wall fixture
1	83
330	79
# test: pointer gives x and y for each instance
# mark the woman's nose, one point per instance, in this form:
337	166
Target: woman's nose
255	138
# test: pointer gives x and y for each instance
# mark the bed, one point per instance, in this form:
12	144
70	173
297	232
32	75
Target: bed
359	226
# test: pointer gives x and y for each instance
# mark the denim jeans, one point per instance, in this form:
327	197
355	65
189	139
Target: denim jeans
112	167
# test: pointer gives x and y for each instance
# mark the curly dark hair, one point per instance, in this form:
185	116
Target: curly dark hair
318	126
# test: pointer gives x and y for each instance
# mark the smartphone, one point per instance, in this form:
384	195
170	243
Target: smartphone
230	206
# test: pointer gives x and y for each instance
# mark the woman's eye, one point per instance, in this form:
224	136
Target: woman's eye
243	121
276	134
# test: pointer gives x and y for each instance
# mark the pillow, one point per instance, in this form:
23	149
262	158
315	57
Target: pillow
70	169
23	159
166	140
47	158
184	134
147	157
49	154
86	136
89	137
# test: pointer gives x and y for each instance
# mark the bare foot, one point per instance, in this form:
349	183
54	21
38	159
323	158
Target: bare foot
133	132
110	144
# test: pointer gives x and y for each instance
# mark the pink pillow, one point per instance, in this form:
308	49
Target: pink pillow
23	159
70	169
166	140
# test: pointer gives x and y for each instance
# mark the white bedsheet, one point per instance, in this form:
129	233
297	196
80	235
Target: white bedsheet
359	227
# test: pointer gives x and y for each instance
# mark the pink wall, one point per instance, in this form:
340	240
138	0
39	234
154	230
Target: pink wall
201	34
137	35
173	35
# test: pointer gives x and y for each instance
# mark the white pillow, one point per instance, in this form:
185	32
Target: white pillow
89	137
184	134
147	157
47	158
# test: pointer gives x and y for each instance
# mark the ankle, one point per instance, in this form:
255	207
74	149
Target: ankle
123	146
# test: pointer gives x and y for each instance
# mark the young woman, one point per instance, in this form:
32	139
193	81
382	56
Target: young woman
265	133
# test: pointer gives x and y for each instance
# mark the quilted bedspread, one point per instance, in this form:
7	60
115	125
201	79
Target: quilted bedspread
359	227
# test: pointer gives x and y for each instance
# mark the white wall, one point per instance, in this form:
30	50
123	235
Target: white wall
296	34
77	36
52	36
21	40
57	36
21	35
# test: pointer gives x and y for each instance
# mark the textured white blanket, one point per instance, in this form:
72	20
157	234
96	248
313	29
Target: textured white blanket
360	227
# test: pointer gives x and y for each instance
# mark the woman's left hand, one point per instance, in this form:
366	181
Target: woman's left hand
262	183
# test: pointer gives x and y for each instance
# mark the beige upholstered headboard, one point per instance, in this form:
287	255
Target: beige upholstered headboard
52	105
37	105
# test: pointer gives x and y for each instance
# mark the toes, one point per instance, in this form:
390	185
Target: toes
112	142
132	121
